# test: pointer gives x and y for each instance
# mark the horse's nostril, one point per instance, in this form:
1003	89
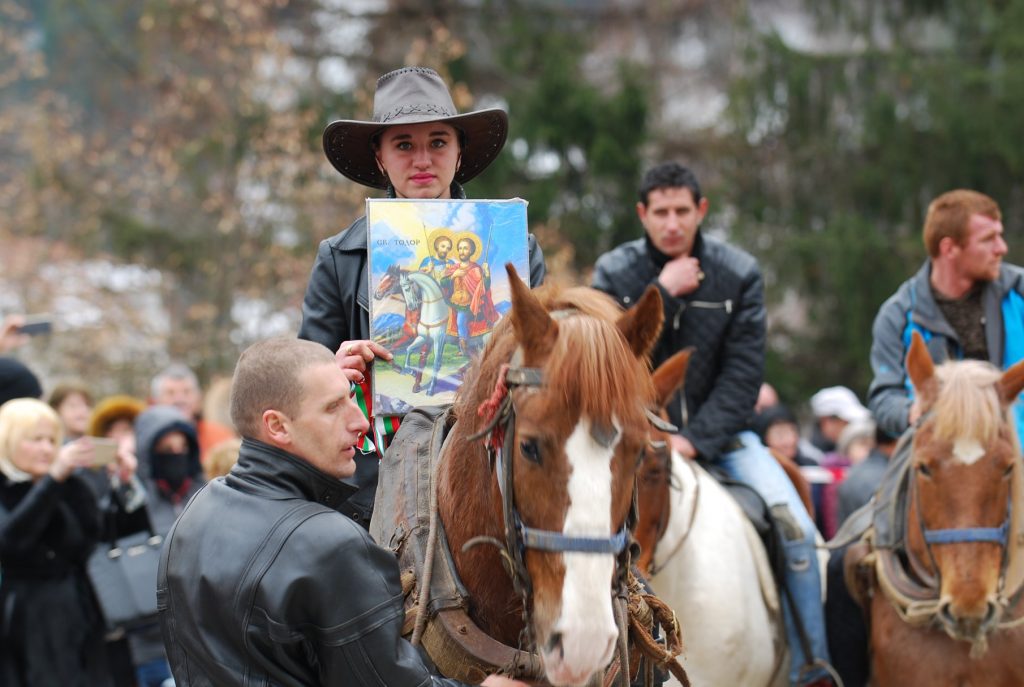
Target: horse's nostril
555	642
990	615
946	614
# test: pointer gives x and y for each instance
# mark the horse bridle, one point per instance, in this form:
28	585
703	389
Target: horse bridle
962	535
499	434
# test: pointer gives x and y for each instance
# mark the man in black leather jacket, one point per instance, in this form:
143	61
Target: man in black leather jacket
261	580
714	301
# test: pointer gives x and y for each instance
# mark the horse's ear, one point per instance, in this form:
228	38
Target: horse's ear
921	369
535	330
669	376
641	324
1011	383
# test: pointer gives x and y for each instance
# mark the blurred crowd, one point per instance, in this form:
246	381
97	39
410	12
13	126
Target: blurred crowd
55	497
839	449
64	495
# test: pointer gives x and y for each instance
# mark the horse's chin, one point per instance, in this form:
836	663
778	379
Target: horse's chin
561	672
562	676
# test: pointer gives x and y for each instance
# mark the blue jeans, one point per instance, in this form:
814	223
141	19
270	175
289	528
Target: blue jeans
153	673
753	465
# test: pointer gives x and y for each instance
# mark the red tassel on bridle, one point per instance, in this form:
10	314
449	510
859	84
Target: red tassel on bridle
489	408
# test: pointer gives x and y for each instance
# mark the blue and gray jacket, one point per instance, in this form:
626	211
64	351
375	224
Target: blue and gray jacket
913	308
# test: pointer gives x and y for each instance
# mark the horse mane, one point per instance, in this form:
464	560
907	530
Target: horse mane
590	362
968	404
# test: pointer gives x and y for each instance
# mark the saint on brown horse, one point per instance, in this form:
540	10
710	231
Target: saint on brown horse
962	535
577	396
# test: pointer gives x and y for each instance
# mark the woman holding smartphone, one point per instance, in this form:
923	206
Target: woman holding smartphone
51	632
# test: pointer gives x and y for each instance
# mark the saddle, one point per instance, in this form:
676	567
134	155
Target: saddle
877	555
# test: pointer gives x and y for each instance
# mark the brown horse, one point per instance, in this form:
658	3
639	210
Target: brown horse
566	374
962	537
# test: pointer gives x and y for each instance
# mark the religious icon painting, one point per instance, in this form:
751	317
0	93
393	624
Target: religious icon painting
438	287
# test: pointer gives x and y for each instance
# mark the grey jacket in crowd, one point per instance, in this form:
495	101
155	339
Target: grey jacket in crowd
913	306
724	319
263	582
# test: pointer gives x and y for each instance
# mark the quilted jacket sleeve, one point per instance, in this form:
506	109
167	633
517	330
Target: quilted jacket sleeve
727	407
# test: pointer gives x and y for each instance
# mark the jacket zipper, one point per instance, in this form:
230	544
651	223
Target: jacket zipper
706	305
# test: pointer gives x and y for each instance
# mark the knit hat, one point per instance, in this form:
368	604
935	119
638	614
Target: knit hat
17	381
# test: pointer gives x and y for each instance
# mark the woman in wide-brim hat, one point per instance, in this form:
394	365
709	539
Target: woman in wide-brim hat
417	145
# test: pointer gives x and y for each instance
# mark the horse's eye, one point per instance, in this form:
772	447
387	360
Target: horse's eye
1008	471
530	450
924	470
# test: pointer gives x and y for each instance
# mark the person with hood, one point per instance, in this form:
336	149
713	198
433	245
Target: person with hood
416	145
170	470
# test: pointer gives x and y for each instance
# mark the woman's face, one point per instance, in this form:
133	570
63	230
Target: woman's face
36	450
420	159
74	412
783	437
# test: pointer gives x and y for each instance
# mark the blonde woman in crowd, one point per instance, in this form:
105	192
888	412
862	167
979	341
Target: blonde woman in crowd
49	523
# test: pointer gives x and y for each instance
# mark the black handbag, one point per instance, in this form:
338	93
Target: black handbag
123	573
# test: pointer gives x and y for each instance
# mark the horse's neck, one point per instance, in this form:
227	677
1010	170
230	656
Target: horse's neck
468	508
684	492
427	283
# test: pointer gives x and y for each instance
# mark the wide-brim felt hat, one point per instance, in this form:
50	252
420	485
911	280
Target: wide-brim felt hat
413	95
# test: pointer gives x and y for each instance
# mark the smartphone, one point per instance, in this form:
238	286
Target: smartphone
36	325
105	452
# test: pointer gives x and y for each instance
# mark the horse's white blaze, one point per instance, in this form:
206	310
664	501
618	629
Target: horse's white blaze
586	621
967	451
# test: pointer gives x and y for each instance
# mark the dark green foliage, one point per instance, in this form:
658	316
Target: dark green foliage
590	134
841	150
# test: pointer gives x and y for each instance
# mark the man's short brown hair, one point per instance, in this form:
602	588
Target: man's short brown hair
949	213
267	377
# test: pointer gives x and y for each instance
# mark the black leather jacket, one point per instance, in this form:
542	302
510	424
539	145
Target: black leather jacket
336	309
263	582
724	319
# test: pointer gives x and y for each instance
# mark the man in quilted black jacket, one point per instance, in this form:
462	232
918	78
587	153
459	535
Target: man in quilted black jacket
714	301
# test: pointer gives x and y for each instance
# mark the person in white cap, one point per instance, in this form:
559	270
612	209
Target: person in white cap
417	145
834	408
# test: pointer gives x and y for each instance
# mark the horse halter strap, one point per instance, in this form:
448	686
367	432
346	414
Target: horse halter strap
524	537
994	535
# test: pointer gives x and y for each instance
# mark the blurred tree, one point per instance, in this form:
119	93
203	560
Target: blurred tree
841	141
196	150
